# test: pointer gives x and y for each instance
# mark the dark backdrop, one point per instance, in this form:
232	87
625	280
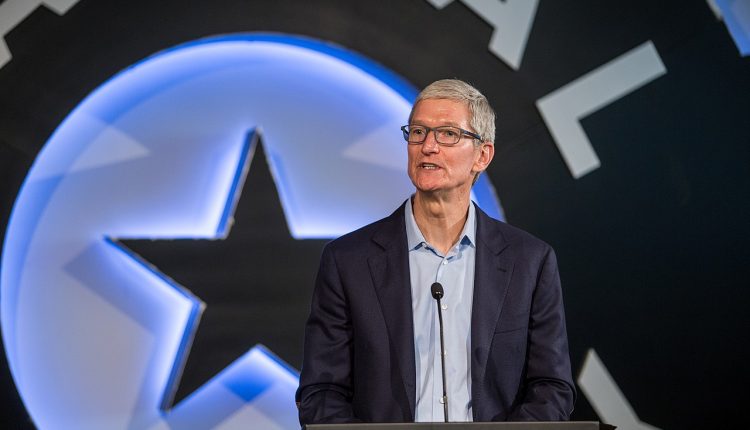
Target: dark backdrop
652	245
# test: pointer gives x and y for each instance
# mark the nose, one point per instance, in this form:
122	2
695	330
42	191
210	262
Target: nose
430	144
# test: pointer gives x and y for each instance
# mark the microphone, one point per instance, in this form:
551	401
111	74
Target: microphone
437	294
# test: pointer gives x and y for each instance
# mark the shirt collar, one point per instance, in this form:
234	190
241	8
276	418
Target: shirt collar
415	238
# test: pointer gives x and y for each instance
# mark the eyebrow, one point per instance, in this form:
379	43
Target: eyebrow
449	123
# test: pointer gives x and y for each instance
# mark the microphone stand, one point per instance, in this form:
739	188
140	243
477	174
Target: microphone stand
437	294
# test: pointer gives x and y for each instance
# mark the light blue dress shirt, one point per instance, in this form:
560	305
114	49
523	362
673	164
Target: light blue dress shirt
455	271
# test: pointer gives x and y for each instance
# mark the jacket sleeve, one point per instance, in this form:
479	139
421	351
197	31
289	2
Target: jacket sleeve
549	393
325	391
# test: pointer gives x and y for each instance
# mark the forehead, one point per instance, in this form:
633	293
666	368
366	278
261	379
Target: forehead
441	112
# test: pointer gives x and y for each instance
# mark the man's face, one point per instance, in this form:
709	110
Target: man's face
437	169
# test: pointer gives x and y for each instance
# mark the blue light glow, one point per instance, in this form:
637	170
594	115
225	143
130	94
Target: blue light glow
161	151
736	15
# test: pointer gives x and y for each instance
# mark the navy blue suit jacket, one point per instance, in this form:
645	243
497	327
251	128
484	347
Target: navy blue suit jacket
359	362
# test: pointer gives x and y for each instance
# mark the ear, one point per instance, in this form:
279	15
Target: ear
486	153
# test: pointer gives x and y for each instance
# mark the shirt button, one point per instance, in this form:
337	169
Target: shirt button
441	400
444	307
445	262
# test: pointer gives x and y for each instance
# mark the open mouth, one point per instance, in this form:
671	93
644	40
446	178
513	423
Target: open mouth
428	166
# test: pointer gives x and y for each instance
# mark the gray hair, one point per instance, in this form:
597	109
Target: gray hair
482	115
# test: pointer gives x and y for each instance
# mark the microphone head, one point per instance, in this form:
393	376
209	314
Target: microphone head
437	291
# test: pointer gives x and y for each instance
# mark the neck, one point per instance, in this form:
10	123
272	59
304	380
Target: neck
440	220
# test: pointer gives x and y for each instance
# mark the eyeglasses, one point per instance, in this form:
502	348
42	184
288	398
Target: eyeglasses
445	135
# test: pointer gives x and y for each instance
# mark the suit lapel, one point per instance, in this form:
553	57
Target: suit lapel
390	274
491	277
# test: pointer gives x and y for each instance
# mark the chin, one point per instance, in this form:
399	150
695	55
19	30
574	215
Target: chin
428	188
428	181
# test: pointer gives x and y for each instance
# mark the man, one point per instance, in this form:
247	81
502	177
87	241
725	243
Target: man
372	342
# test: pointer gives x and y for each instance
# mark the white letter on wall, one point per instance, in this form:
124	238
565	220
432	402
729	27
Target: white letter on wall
563	108
511	20
12	12
605	396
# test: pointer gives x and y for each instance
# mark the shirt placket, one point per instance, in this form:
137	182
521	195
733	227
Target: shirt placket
445	262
